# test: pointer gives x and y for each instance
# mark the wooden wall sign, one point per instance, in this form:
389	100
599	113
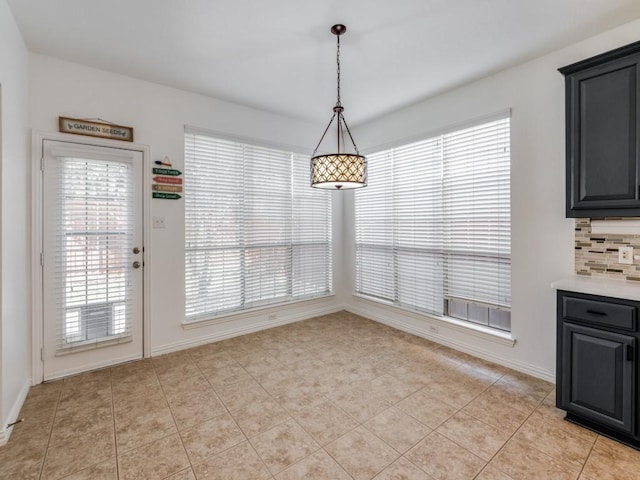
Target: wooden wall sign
95	129
166	188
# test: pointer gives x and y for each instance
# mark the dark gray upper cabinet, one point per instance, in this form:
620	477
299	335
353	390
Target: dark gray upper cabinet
603	131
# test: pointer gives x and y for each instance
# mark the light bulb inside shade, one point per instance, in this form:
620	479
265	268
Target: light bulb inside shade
339	171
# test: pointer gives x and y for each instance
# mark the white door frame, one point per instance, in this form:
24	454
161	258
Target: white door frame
37	370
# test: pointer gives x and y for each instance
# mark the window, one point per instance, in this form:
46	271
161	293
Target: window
256	232
433	226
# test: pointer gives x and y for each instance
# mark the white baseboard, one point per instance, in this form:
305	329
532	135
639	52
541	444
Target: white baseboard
244	330
5	432
517	365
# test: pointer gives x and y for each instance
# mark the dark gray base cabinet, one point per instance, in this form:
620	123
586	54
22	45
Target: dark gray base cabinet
597	366
602	132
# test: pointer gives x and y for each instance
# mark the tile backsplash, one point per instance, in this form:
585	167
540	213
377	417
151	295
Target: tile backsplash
597	254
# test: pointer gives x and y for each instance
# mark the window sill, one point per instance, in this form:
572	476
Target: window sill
266	310
480	331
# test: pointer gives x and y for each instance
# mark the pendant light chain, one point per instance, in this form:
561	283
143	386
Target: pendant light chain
338	104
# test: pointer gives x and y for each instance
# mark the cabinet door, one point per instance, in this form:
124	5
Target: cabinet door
597	372
602	139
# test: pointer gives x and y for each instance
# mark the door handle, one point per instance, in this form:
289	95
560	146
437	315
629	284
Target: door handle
136	264
136	250
629	352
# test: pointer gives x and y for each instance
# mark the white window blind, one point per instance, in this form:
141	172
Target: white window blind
433	226
94	224
256	233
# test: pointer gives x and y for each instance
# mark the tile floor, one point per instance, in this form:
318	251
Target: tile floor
336	397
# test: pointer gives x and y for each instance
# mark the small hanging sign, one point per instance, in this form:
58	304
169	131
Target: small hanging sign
172	180
166	188
95	129
166	196
166	171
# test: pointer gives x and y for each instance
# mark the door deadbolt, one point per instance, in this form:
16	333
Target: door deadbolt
136	264
136	250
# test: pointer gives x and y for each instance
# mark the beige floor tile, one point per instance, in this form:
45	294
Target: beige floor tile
361	453
107	470
183	475
24	469
611	460
319	466
147	420
83	403
28	441
289	355
295	395
391	388
211	437
238	395
159	459
81	423
358	403
456	390
399	385
138	383
283	445
39	409
324	421
479	438
445	460
521	392
260	416
402	469
427	409
521	461
191	409
125	369
78	453
490	409
176	386
239	462
208	357
399	430
492	473
259	364
557	442
220	376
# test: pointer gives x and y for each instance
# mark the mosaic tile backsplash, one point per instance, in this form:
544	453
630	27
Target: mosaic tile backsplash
597	254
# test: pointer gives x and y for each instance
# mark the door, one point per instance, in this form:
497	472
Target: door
598	376
92	257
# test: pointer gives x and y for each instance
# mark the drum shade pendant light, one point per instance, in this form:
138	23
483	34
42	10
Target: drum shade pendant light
339	170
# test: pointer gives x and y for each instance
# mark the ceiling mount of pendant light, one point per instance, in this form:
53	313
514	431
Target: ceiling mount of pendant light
340	170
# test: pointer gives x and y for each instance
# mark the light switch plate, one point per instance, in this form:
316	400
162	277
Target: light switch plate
159	222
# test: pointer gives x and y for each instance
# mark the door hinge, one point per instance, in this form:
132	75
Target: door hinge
41	259
42	164
42	354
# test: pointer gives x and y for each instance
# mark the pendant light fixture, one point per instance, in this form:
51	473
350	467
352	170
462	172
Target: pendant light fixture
339	170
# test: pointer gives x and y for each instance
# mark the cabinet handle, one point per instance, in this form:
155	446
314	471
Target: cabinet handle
596	312
629	352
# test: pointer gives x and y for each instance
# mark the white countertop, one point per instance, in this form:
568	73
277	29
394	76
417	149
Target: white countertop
607	287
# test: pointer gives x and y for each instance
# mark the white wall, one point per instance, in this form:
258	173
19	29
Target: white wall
158	115
542	238
15	329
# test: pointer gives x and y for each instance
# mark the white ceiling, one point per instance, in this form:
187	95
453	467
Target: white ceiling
279	55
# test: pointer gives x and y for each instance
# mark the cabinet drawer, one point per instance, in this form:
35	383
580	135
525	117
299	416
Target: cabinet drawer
600	313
